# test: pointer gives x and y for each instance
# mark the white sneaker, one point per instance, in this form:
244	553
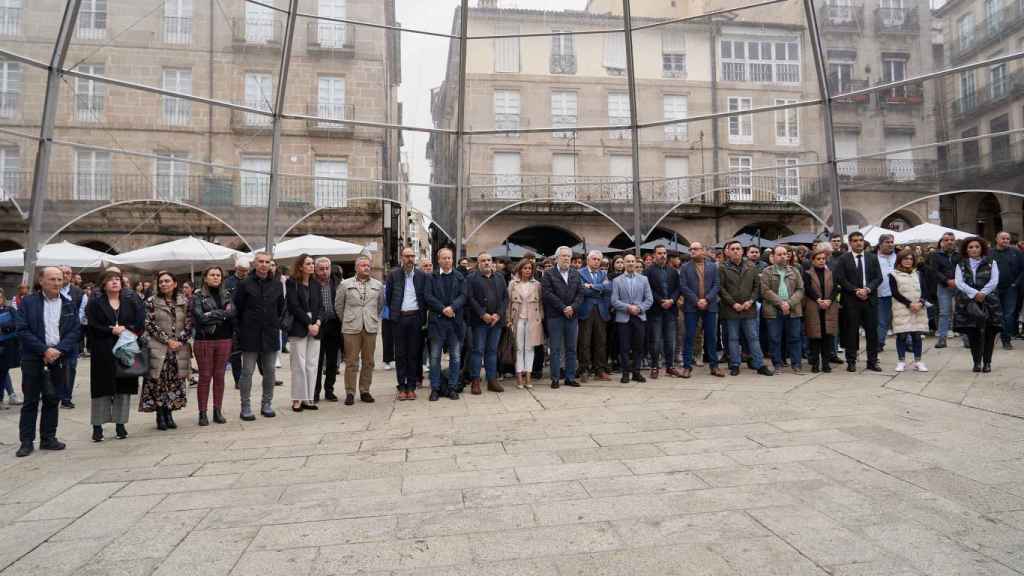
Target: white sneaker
13	400
920	367
901	366
278	363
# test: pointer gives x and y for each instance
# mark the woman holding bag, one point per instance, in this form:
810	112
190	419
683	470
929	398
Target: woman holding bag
909	310
109	314
169	326
978	313
525	320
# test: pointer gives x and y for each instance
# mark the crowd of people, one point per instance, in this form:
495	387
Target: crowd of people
584	316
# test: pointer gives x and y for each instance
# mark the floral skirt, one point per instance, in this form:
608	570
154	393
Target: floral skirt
170	390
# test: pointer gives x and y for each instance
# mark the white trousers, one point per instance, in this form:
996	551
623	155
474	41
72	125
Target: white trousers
304	353
524	352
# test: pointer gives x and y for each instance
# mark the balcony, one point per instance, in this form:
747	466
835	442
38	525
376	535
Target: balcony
563	63
177	30
1009	20
900	97
988	98
896	21
176	113
331	38
330	111
252	121
839	17
10	21
9	102
15	185
886	171
257	31
89	107
838	88
1004	161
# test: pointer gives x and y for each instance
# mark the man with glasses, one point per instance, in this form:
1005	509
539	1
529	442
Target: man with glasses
407	305
664	282
259	305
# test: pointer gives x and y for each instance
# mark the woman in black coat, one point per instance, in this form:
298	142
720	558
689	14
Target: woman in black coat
304	305
110	312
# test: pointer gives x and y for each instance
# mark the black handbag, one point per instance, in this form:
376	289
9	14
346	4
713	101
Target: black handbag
976	311
139	365
507	348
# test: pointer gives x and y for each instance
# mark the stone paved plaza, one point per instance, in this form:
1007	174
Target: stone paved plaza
866	474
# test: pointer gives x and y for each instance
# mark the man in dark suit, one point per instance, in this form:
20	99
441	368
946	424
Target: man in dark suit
78	302
49	331
563	297
407	305
699	285
594	316
859	275
330	333
661	318
446	297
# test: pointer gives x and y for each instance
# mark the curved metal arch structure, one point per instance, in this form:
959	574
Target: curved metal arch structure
407	206
504	209
950	193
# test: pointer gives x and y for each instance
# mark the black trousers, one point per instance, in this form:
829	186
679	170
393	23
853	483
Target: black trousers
821	350
37	390
408	347
631	344
327	366
858	314
982	344
387	337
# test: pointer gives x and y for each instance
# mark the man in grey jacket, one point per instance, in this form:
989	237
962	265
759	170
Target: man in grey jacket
631	299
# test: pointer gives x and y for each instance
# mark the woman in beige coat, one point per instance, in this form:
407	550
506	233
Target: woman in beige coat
909	310
526	319
169	326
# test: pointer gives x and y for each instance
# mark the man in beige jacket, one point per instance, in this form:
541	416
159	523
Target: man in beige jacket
358	303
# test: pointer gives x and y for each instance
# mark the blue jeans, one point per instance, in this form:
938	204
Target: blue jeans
485	350
710	337
908	341
793	328
69	384
663	331
748	328
945	295
450	339
884	319
562	334
1008	302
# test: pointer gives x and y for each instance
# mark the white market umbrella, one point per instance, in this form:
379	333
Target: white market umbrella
60	254
872	233
181	255
315	245
927	233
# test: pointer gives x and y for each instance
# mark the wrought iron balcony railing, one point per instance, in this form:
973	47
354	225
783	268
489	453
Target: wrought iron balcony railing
988	97
838	87
900	96
840	16
9	103
257	30
987	33
563	63
896	20
177	30
330	111
334	37
10	21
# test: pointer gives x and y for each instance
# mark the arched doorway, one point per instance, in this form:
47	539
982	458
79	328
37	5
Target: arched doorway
99	246
665	234
900	221
766	230
852	218
6	245
989	220
621	242
546	239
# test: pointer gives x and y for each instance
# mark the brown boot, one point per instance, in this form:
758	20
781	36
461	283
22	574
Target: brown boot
654	373
474	387
603	376
493	386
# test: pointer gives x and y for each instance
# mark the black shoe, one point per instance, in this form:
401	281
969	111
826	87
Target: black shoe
874	367
278	382
1007	345
977	368
218	417
97	433
67	404
941	343
169	419
814	368
297	408
555	384
349	399
203	420
536	375
453	395
52	444
986	368
267	412
826	368
638	377
121	431
25	449
308	406
161	422
330	397
835	360
434	395
734	371
765	371
571	384
851	367
624	379
365	397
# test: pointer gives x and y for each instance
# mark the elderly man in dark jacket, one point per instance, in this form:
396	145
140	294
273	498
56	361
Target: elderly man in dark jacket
563	297
259	304
486	296
739	291
446	297
661	318
405	294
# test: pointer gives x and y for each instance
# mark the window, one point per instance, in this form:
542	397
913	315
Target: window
92	20
508	175
89	94
840	11
330	185
992	17
564	111
971	150
615	54
330	101
178	21
846	147
10	17
840	71
258	93
1000	144
900	163
171	182
965	30
673	54
787	179
506	50
760	61
563	53
259	23
331	34
618	114
892	12
620	170
563	167
177	111
741	127
999	81
968	96
677	172
92	175
506	109
10	170
741	184
787	124
10	88
894	70
255	180
675	108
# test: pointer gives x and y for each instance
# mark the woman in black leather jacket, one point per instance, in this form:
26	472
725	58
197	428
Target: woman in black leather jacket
213	315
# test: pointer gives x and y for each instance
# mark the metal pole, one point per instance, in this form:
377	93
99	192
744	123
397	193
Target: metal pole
42	168
460	136
275	146
712	29
631	79
831	168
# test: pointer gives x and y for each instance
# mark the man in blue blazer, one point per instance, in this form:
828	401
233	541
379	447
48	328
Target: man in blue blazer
407	305
594	316
446	297
49	332
699	284
631	299
664	281
563	297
